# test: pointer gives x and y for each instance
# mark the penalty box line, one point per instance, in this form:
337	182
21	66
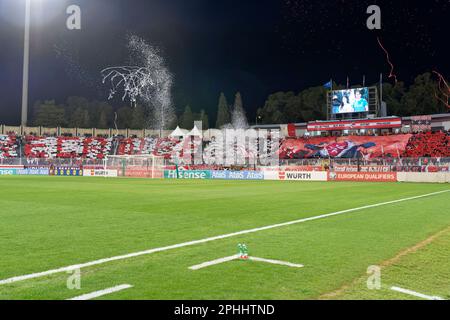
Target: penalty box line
195	242
237	256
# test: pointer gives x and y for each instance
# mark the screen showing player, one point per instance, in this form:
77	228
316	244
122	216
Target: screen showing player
350	101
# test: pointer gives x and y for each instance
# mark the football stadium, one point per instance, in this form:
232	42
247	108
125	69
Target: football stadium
338	193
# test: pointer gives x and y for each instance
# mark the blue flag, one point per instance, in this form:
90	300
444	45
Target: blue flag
328	85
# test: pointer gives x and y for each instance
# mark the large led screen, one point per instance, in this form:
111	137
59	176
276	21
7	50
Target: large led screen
350	101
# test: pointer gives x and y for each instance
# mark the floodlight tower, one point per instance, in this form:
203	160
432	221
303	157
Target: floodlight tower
26	64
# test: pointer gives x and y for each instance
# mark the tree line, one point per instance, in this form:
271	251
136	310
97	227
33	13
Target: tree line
281	107
224	113
310	104
79	112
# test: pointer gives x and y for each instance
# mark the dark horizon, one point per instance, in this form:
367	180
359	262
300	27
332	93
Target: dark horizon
254	47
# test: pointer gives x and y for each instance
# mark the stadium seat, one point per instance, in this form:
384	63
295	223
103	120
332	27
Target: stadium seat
67	147
8	146
407	146
428	145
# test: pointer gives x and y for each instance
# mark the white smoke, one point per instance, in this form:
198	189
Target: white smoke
148	80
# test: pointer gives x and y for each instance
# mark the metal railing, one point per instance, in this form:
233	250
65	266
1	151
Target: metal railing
375	164
351	165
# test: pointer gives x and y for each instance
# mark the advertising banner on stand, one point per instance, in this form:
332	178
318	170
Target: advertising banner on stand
99	173
66	171
363	176
237	175
187	174
303	176
296	175
354	168
34	172
8	172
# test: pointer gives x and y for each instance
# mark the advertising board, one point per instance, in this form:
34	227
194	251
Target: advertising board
187	174
363	176
237	175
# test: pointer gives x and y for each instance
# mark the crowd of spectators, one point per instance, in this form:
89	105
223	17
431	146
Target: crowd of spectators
429	144
9	146
423	144
68	147
164	147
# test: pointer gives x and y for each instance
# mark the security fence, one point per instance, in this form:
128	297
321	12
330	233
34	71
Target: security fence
337	165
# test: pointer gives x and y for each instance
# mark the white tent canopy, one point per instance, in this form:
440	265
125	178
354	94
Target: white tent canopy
178	132
195	132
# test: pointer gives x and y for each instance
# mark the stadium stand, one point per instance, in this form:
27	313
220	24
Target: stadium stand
428	144
401	145
67	147
157	146
344	147
8	146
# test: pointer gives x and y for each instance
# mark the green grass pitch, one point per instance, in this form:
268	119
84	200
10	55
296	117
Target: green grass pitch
52	222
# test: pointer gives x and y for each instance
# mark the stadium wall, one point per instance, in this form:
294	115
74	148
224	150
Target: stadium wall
100	173
296	175
61	131
273	175
427	177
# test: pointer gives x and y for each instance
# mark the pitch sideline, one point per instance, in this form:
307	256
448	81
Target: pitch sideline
101	293
195	242
416	294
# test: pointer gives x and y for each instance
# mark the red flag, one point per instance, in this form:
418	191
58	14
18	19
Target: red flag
291	130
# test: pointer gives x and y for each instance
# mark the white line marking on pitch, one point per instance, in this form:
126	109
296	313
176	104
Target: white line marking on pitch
283	263
195	242
214	262
236	256
416	294
100	293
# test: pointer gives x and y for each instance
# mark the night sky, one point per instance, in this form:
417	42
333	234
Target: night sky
252	46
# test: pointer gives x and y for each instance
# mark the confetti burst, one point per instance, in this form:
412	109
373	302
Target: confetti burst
136	81
444	90
391	73
149	81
